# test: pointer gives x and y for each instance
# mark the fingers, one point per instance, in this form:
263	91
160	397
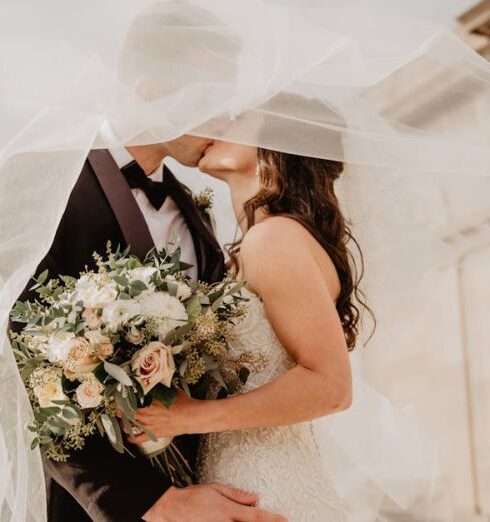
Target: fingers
138	439
250	514
237	495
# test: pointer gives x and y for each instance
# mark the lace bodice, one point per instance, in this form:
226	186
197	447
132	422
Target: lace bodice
281	464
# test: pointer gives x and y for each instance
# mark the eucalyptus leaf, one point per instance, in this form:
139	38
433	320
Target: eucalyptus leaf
117	373
121	280
42	277
139	285
216	375
71	413
68	280
100	426
167	396
186	388
51	410
236	288
172	288
58	426
193	307
174	335
216	304
113	431
124	405
133	401
183	367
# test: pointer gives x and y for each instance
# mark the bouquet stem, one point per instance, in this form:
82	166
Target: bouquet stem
167	458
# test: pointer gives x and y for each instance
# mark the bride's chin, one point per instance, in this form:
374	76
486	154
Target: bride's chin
207	168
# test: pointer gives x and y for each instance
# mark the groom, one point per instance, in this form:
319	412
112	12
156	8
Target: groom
128	197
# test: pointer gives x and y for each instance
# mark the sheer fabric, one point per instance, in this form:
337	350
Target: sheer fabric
346	81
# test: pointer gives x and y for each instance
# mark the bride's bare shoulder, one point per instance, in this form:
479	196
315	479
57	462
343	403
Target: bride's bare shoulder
278	249
276	244
272	234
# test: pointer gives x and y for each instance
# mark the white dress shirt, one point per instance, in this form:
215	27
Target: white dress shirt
166	223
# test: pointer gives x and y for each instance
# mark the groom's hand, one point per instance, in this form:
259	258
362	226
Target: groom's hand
208	503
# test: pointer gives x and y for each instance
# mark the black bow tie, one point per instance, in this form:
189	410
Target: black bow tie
156	191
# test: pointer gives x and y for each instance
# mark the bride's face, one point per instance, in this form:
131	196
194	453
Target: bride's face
224	159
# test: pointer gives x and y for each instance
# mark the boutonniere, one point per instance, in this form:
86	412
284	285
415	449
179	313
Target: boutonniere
204	201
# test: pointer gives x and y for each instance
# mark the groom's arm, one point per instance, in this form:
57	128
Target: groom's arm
108	486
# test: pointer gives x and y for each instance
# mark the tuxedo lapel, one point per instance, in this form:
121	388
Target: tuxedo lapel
208	252
122	202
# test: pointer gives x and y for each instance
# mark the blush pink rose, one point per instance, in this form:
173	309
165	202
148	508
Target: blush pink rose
89	394
81	358
153	364
105	350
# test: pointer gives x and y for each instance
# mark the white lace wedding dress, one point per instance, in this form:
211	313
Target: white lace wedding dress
281	464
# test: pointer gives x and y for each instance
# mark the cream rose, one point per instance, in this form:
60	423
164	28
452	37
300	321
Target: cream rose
101	343
81	358
153	364
47	387
89	393
105	350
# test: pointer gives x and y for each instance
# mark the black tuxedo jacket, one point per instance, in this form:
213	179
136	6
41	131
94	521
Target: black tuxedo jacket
97	483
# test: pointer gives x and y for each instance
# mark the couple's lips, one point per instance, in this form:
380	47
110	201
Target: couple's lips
207	147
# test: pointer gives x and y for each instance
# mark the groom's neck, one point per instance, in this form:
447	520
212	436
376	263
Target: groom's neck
148	157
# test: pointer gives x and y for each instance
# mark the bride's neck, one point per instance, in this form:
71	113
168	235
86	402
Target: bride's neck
242	188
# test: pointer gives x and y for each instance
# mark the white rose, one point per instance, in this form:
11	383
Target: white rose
89	393
58	345
153	364
119	312
48	387
95	291
183	290
167	310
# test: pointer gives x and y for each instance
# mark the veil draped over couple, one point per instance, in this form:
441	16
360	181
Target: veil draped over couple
338	196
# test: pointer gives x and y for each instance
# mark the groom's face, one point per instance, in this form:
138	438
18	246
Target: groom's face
188	150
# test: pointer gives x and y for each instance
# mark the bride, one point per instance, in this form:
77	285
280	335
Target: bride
302	317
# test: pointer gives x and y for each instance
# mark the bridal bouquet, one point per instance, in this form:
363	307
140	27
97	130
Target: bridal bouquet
96	348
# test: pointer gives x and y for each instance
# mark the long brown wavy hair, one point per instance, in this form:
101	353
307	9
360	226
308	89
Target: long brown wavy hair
302	188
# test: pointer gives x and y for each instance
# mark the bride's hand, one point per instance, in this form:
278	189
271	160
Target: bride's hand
167	422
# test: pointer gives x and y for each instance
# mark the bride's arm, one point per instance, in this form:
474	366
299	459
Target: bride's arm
279	265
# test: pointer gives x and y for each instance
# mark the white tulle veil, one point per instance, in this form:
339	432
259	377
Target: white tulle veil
343	81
